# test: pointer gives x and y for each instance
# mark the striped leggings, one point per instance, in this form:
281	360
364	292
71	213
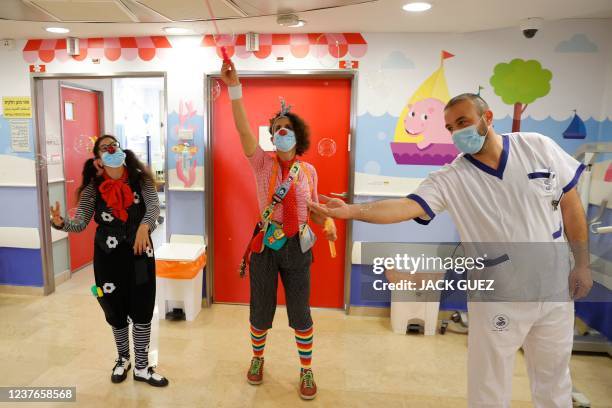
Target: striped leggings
141	335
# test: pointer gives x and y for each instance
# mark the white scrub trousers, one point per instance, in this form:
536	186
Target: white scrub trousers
497	330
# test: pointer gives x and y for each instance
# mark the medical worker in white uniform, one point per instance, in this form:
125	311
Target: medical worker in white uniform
518	187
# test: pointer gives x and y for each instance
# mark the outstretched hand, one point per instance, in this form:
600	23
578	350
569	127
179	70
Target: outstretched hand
229	75
330	207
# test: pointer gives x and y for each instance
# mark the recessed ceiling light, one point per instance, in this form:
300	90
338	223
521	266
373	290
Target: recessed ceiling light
177	30
57	30
300	23
417	7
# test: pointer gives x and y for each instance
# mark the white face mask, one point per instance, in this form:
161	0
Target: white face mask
284	139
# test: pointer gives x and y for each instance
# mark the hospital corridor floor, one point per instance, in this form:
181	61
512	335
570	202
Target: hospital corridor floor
63	340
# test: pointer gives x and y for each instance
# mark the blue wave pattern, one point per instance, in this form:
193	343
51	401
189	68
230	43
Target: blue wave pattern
375	133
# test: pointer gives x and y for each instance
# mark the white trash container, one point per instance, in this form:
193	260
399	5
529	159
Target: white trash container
179	269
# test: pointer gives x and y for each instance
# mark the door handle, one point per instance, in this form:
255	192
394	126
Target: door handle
69	181
341	195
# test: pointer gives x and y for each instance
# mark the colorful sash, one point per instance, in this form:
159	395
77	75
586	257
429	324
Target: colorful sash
257	240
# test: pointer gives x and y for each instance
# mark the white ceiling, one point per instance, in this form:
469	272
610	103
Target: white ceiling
374	16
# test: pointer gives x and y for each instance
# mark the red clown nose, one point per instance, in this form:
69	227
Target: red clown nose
110	149
282	132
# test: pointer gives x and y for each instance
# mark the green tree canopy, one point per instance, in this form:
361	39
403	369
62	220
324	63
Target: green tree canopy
520	81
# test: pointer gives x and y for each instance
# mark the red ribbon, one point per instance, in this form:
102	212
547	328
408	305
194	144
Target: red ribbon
117	194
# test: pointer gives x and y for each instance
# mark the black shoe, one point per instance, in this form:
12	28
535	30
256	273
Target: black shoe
122	366
149	376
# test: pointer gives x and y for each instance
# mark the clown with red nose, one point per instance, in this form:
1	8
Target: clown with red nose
284	139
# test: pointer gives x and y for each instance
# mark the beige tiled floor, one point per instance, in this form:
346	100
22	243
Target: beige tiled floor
63	340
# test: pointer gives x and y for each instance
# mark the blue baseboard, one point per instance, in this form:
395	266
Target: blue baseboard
21	267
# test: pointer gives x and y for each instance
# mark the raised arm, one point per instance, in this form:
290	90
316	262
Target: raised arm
377	212
230	77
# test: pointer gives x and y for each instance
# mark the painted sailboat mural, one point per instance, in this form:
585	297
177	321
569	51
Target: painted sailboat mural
420	134
576	128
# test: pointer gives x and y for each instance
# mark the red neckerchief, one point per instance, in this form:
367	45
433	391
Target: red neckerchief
290	215
117	194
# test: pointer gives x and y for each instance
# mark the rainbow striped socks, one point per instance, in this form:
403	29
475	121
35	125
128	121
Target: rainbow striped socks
303	338
258	341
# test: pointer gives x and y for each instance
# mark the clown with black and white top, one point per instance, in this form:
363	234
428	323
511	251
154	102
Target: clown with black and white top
118	191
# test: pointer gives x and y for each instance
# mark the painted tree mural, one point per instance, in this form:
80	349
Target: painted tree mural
520	83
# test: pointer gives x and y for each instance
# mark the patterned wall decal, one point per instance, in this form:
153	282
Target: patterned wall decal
338	45
111	49
520	83
420	134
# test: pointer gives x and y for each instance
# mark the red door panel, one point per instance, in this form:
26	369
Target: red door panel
85	124
325	106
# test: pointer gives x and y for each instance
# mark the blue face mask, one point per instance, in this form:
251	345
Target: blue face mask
284	139
468	140
116	159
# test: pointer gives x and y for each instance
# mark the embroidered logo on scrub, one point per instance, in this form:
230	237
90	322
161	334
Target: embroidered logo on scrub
107	217
108	287
501	322
112	242
136	198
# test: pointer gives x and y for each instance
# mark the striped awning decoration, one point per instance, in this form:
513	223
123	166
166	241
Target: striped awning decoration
111	48
319	45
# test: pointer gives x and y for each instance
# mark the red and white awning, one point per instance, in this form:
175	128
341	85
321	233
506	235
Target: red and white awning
113	48
336	45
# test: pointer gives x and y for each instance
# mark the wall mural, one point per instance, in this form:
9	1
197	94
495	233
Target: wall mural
185	139
576	129
185	149
318	45
520	83
579	43
111	48
420	134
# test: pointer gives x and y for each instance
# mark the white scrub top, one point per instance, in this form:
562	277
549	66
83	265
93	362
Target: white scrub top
516	203
511	204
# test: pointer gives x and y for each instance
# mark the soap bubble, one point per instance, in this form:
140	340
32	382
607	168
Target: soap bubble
215	89
224	39
327	51
326	147
84	145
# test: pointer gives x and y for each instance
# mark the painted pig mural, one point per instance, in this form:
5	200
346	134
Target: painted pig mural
426	118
